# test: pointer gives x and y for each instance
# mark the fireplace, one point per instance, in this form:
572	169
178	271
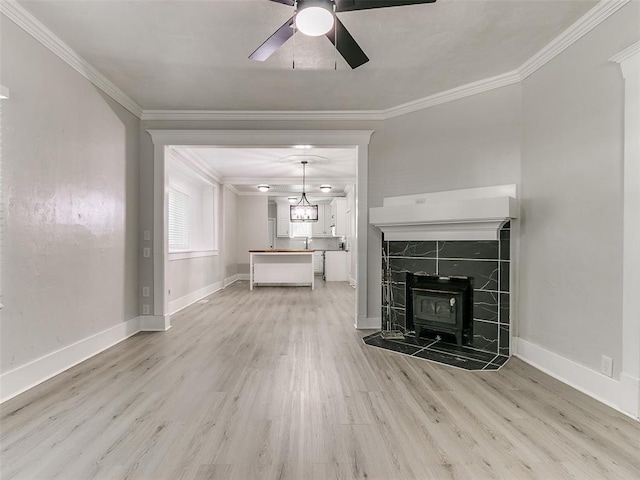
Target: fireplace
457	247
440	304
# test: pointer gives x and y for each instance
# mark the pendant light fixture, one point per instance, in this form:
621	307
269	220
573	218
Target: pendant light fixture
303	211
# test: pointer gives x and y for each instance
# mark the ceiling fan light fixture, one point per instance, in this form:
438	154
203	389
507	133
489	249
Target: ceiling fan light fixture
264	188
325	188
314	17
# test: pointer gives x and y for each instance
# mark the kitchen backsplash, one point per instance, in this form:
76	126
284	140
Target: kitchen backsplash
314	243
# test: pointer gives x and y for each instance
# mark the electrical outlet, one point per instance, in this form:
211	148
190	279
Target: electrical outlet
146	235
146	252
606	366
145	291
145	309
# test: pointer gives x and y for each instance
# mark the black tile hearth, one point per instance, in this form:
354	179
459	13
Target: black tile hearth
439	351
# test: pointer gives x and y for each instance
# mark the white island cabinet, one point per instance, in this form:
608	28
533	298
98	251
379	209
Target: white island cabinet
281	267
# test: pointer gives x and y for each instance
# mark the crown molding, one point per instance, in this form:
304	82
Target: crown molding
231	188
627	53
196	161
594	17
457	93
600	12
367	115
463	91
187	164
21	17
288	180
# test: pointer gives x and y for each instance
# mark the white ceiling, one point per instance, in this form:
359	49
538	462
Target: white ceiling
281	168
183	54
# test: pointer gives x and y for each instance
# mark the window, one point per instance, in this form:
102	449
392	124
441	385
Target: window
300	229
191	214
178	220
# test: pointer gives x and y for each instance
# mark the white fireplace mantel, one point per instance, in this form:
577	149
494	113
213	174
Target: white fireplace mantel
471	214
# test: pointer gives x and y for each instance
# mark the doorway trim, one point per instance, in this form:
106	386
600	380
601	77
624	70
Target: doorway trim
256	138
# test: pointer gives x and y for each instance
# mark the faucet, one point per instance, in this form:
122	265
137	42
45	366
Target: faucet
306	243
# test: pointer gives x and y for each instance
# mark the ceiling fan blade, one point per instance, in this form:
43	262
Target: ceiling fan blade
274	42
291	3
346	45
350	5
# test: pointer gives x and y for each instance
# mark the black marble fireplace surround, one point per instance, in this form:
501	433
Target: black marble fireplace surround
486	262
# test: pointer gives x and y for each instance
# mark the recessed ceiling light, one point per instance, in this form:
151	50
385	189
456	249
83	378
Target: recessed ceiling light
325	188
303	147
264	188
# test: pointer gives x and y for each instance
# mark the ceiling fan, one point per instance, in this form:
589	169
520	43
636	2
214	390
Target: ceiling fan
318	17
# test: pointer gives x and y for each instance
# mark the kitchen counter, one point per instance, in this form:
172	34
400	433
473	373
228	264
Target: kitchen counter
281	267
281	251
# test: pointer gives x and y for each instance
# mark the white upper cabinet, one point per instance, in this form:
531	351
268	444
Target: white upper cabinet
322	228
283	226
339	216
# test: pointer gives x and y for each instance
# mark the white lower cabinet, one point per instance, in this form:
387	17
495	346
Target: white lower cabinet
335	266
318	262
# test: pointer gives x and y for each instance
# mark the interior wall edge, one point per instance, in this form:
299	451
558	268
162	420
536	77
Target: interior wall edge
183	302
590	382
29	375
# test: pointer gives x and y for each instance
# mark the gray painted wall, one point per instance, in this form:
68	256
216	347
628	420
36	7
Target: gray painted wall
472	142
252	228
192	274
70	194
230	233
571	244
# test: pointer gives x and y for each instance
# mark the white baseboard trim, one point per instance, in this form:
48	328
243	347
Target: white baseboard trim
368	323
37	371
230	280
191	298
630	395
243	276
588	381
155	323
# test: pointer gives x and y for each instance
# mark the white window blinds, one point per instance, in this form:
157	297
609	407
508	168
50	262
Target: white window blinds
178	220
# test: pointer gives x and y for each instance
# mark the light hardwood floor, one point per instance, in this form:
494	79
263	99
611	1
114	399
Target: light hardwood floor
276	384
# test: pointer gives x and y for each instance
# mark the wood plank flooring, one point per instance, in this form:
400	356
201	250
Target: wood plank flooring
276	384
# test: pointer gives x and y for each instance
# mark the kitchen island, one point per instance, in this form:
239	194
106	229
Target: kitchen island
281	267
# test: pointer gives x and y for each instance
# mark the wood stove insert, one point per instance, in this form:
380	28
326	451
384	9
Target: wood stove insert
440	304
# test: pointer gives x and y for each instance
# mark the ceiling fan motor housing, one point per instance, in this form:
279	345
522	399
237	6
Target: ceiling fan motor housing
326	4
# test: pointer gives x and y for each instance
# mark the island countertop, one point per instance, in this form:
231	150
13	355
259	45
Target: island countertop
281	251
